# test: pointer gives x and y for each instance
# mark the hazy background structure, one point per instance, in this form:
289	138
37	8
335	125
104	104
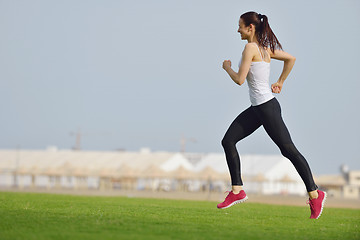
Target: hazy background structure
146	171
132	74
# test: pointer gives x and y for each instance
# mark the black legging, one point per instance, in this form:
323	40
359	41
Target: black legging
268	115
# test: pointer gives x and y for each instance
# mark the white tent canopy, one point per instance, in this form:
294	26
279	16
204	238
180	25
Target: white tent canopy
272	169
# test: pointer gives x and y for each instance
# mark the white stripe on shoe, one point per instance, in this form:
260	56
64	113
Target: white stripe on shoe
236	202
322	205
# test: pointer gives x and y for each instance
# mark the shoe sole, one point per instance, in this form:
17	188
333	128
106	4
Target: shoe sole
322	205
235	202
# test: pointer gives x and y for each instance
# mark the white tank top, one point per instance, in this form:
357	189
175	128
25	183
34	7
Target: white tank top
258	82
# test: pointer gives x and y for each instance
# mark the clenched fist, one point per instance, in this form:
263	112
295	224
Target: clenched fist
276	87
226	64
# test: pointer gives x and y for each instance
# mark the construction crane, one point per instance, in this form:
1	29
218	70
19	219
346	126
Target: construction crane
78	136
183	142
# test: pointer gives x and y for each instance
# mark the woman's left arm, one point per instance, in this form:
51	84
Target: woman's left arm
289	62
240	76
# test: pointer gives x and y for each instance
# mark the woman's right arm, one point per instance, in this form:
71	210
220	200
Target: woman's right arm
289	62
240	76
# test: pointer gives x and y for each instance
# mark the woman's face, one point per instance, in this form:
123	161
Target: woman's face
243	30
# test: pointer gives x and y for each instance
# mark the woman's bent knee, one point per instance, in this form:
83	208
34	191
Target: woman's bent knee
225	142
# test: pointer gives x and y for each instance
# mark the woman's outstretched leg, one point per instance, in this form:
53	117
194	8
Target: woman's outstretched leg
270	114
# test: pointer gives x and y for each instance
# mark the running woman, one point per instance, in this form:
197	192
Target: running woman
264	110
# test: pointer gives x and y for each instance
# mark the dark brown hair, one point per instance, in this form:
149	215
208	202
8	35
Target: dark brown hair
263	32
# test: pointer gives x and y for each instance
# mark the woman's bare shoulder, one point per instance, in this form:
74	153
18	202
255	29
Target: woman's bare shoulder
250	47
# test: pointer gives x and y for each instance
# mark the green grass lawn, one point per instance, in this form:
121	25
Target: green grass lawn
45	216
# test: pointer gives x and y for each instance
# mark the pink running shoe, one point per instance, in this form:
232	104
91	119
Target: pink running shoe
317	205
233	199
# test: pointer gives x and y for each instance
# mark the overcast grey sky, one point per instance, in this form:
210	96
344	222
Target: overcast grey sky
133	74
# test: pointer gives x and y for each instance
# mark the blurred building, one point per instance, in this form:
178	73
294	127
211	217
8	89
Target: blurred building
156	171
346	184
